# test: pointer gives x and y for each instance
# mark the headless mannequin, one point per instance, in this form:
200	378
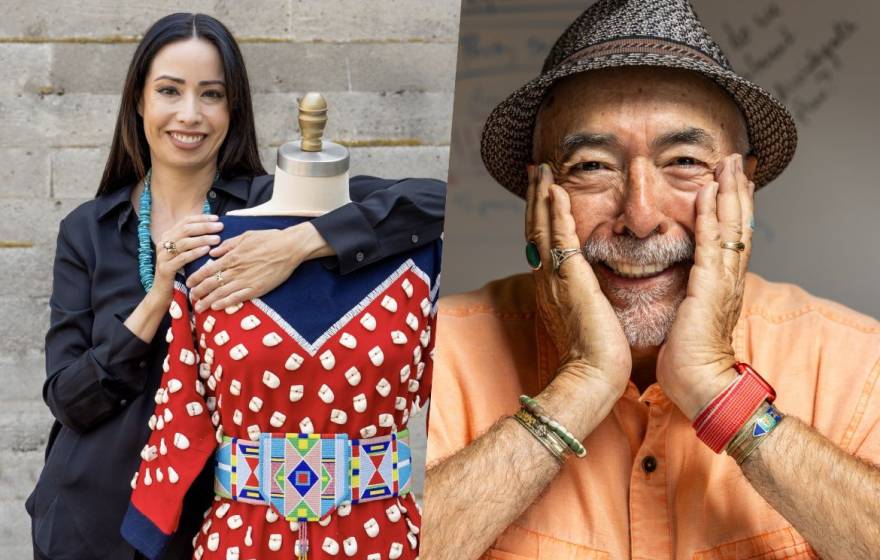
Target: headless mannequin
311	176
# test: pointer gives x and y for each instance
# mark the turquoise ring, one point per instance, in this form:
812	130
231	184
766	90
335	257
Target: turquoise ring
533	257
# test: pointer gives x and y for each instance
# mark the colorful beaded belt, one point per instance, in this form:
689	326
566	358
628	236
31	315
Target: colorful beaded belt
306	476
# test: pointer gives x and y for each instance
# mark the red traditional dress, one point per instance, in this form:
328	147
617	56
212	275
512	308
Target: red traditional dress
302	399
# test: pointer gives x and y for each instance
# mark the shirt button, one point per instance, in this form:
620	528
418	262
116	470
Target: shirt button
649	464
414	238
123	402
359	256
212	194
142	364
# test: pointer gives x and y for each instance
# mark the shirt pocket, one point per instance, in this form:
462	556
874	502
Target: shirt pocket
784	544
530	545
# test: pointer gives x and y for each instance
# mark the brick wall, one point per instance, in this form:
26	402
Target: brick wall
387	70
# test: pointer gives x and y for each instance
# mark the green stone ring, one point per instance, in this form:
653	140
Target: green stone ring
533	256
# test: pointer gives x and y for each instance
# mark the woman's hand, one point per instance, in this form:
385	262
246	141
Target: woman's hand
192	237
253	264
695	363
579	318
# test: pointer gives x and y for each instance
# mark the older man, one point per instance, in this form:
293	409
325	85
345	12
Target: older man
653	349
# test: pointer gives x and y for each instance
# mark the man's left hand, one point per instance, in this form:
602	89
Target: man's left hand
253	264
695	363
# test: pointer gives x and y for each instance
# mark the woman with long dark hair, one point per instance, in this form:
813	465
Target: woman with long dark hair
184	152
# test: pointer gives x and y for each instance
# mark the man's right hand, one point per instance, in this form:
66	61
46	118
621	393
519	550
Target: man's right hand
593	351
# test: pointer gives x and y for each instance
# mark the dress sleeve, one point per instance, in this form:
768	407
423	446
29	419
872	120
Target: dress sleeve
87	381
384	218
181	441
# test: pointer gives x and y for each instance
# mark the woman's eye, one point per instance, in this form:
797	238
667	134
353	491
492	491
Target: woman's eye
587	166
167	90
214	93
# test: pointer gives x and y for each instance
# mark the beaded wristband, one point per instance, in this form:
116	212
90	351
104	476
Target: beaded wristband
542	433
532	406
754	432
722	418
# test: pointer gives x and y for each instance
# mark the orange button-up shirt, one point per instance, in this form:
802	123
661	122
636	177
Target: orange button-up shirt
821	357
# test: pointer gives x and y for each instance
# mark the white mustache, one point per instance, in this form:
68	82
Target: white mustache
654	250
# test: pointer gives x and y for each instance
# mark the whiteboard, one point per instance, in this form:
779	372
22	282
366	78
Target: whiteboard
817	224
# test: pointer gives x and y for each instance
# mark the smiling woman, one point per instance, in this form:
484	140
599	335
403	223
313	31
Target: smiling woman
184	152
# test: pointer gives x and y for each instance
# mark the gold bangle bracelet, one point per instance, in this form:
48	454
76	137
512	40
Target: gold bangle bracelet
542	433
763	421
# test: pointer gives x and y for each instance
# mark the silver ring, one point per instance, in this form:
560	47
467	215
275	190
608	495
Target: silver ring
559	256
219	277
737	246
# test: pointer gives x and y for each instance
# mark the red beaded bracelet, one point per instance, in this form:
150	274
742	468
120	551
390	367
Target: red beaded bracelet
722	418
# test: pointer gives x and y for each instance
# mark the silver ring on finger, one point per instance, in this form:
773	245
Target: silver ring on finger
737	246
171	247
560	255
219	277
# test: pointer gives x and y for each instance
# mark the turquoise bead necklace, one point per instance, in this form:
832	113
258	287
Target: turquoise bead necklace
145	250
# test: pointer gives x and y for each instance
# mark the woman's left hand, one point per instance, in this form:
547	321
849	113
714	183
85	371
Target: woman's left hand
695	363
253	264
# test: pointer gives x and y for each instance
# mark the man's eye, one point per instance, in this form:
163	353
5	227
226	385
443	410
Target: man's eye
685	161
587	166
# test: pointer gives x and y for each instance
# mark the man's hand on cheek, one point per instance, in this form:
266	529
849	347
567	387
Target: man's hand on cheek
695	363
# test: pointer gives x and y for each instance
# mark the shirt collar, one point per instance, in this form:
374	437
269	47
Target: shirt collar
237	187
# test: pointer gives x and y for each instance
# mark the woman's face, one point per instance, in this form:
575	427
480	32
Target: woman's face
183	105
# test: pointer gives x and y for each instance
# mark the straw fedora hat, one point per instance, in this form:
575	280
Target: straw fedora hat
616	33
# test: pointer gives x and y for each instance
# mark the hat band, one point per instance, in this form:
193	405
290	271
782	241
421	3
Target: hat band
648	45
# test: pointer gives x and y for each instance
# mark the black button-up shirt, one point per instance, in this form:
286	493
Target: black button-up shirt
101	378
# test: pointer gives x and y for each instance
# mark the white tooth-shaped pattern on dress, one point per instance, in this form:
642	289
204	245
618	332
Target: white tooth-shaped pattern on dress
271	380
212	383
399	403
374	556
395	551
253	432
368	431
413	540
202	343
208	324
359	402
236	417
306	426
181	441
232	309
413	385
412	322
376	356
232	553
368	322
238	352
160	423
148	480
174	310
325	393
209	356
277	419
249	536
211	403
383	387
386	420
328	360
293	362
194	408
407	287
371	527
353	376
152	422
218	373
338	416
169	335
173	477
275	542
174	385
235	387
404	373
198	553
272	339
417	354
296	393
425	305
221	338
187	356
200	387
393	513
330	546
204	370
213	542
348	341
389	303
165	366
255	404
398	337
412	527
250	322
271	516
420	369
234	522
158	398
167	415
344	509
222	510
425	337
350	546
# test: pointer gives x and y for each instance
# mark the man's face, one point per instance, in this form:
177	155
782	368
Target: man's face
633	147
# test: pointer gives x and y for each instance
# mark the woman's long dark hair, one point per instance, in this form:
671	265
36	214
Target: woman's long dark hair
130	154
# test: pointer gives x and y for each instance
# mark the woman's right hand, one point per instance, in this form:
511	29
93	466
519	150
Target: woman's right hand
193	237
584	328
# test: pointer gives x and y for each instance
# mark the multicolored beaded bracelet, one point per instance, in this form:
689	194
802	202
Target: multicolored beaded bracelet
532	406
